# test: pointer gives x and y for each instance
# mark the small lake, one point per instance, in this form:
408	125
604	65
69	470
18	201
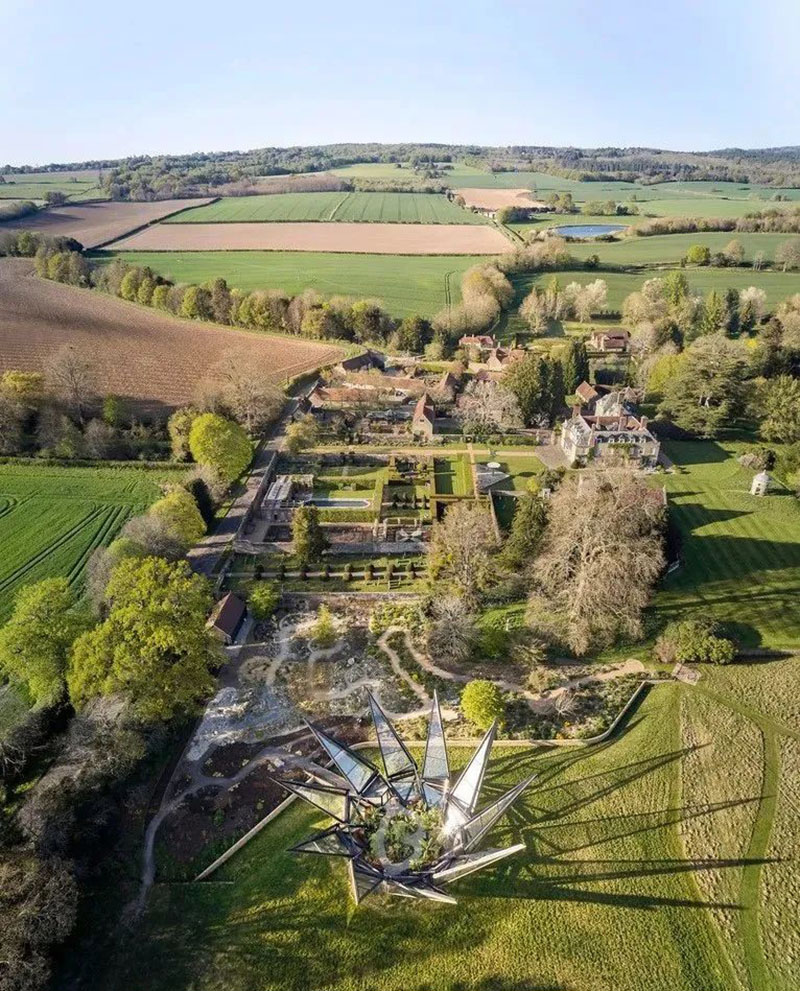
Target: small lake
588	230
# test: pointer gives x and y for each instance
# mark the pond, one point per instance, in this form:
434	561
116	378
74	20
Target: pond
588	230
326	503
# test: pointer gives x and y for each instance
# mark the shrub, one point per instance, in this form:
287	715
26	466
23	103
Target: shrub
482	702
696	640
323	632
263	600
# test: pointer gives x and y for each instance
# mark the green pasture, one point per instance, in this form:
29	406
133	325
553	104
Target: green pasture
78	186
52	518
671	248
777	285
741	553
390	171
632	880
404	283
386	208
706	206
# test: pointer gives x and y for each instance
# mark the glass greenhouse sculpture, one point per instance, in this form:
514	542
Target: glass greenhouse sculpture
404	830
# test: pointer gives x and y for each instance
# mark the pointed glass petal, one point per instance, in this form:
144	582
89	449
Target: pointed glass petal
336	803
470	862
362	881
476	828
396	758
435	766
467	789
330	843
358	771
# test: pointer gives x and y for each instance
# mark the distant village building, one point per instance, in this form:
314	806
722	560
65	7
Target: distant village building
447	386
499	359
423	422
477	341
585	435
226	618
760	485
610	341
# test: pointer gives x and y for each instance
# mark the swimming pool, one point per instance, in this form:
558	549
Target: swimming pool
326	503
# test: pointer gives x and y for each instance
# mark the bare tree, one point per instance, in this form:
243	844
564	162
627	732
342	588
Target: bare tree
486	407
241	385
452	635
69	375
603	551
461	548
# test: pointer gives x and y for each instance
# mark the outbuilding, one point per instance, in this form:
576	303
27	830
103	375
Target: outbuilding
226	618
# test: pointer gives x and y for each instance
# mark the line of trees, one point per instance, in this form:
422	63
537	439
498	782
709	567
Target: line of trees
759	221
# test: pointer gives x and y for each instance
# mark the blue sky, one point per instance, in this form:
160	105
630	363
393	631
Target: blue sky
91	80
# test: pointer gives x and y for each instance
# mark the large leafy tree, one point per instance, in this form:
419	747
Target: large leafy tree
179	512
781	410
708	389
527	528
35	642
154	647
308	537
221	444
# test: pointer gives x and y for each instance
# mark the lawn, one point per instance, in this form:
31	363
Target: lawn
392	208
453	475
404	284
51	518
605	897
777	285
741	553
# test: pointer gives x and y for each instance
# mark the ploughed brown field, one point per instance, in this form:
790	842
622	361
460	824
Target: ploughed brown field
150	358
494	199
377	239
94	224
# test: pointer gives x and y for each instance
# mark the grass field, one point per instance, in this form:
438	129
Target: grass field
51	519
34	186
606	898
405	284
386	208
741	553
777	285
670	248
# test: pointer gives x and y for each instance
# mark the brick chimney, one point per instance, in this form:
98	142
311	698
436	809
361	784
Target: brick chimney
576	410
643	422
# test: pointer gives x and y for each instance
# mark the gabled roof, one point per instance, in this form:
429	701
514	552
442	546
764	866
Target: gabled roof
424	409
587	392
227	614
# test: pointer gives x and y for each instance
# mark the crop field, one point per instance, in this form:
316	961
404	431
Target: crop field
405	284
149	357
51	519
670	248
741	553
94	224
605	897
381	208
777	285
388	239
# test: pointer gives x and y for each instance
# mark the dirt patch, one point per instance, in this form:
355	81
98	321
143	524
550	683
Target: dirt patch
94	224
380	239
494	199
150	358
215	815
